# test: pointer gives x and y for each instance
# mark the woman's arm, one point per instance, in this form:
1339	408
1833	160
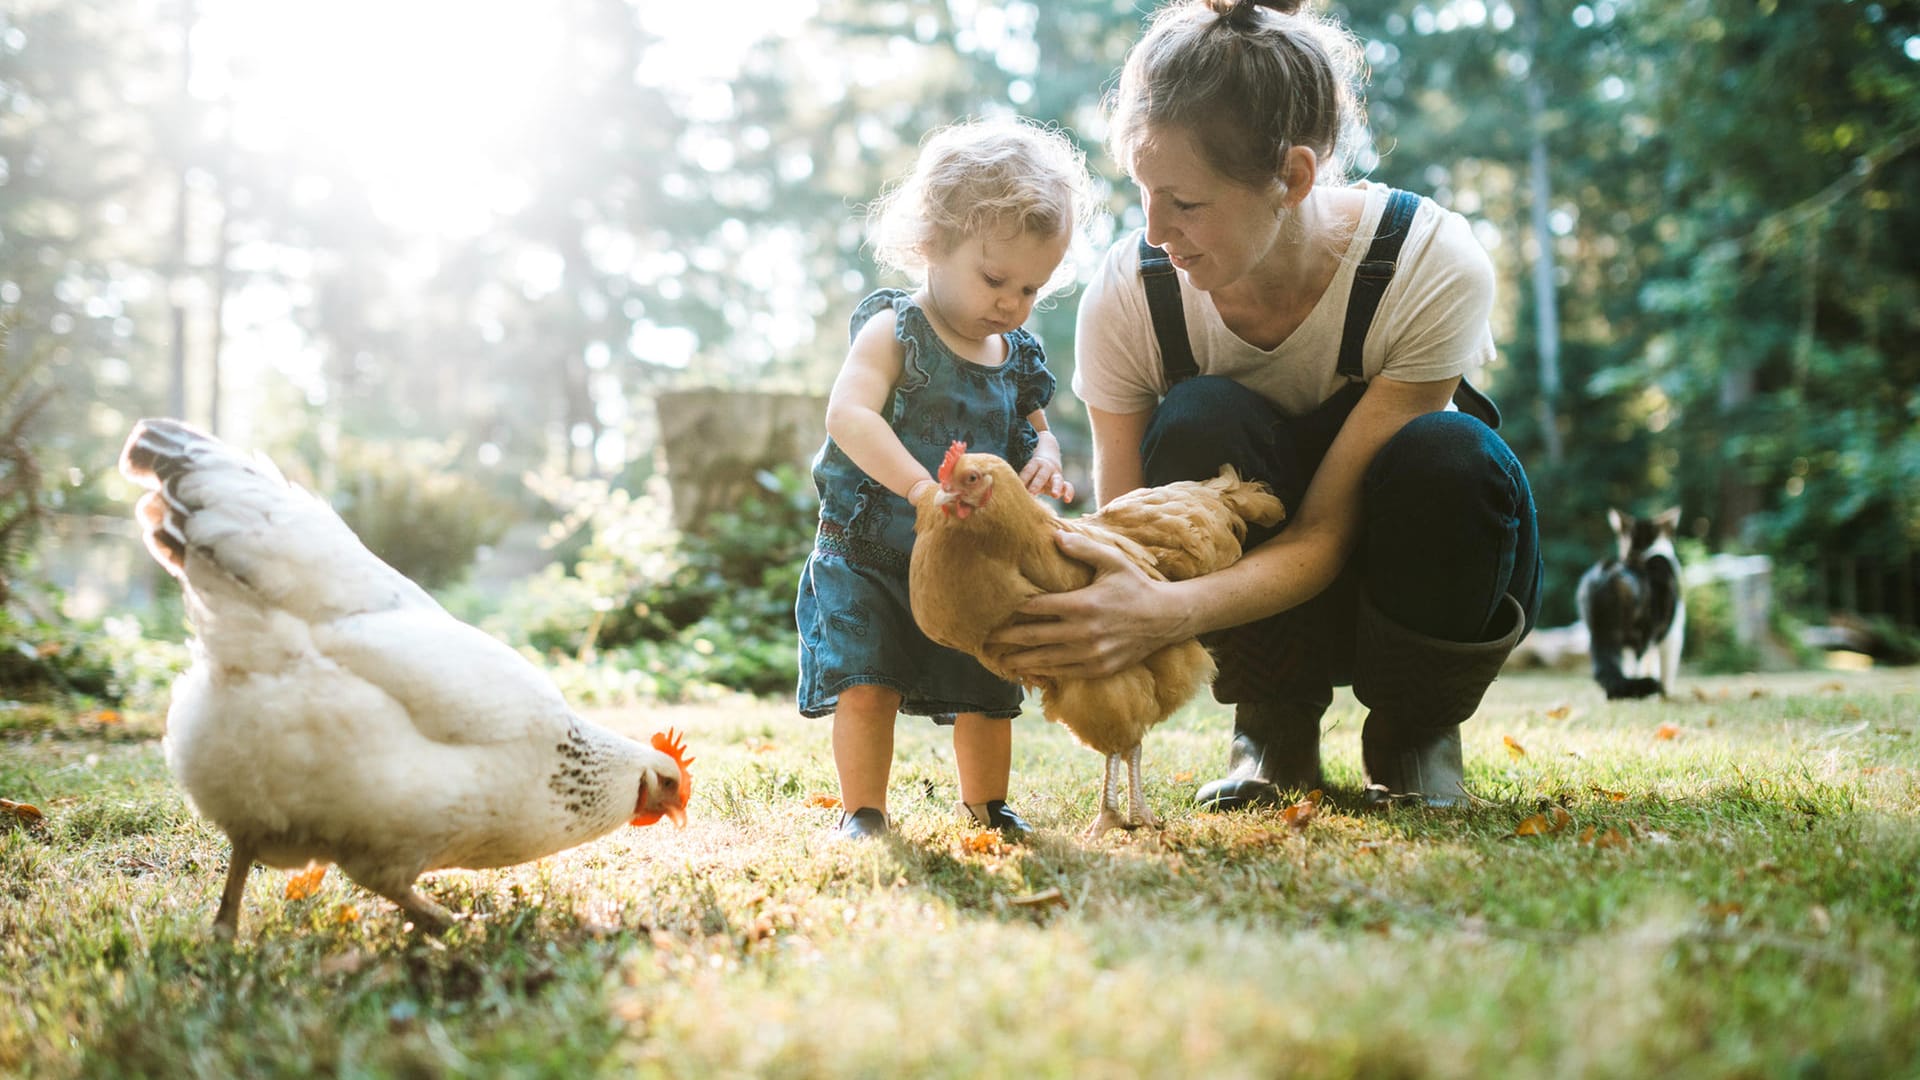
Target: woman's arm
874	364
1116	452
1124	615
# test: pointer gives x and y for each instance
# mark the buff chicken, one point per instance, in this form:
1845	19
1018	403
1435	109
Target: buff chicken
984	545
334	713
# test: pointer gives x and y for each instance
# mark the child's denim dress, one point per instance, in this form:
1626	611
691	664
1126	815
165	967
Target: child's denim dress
855	624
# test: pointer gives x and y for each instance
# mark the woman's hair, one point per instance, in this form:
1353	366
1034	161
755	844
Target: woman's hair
1249	81
998	178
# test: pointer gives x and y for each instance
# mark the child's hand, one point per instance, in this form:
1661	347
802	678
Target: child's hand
921	491
1043	477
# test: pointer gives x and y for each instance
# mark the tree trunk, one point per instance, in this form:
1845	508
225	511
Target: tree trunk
177	298
1546	309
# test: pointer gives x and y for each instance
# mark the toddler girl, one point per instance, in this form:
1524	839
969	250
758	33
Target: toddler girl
983	222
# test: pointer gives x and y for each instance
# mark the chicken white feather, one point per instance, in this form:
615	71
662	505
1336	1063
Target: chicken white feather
335	713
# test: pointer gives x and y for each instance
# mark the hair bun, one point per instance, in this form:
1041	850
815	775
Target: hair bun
1242	13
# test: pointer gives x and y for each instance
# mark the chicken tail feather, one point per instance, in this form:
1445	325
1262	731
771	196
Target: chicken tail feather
1251	501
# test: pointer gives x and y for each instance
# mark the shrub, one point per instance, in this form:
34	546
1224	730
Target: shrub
675	614
409	507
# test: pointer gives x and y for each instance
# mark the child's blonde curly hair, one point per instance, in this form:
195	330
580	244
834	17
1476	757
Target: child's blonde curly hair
983	178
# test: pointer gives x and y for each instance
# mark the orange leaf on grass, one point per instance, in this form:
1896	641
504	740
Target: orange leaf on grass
984	842
1724	910
1299	814
1514	749
1667	731
1554	820
831	802
1559	712
306	882
1182	777
1616	796
26	812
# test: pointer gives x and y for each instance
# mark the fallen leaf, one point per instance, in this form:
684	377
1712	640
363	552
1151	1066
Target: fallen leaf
1373	847
1553	821
1724	910
1044	898
1758	693
1819	920
1559	712
108	716
1700	695
764	748
1299	814
984	842
821	799
1181	778
306	882
1667	731
1514	749
1612	838
1616	796
25	812
346	915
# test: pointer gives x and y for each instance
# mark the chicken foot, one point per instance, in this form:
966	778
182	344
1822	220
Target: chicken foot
428	917
226	921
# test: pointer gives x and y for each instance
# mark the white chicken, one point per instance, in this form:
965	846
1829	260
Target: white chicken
335	713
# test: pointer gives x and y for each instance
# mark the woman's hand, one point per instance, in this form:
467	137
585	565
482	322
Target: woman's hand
1119	619
1042	476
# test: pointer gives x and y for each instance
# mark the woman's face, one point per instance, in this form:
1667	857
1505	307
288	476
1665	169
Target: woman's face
1215	229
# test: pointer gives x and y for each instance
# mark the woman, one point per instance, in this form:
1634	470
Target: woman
1312	334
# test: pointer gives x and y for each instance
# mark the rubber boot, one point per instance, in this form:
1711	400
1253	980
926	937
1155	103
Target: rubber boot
1419	690
1276	748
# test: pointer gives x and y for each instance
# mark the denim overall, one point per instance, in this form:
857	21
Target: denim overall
1447	518
855	624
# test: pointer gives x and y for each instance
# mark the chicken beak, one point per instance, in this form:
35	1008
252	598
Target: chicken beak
677	815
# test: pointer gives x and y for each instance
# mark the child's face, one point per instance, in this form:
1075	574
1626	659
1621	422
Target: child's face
984	286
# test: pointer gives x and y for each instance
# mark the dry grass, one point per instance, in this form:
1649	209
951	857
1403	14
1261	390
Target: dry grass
1753	913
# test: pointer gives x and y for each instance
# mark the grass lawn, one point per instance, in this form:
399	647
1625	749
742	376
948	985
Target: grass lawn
1722	885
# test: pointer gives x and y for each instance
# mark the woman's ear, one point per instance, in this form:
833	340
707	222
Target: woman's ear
1297	172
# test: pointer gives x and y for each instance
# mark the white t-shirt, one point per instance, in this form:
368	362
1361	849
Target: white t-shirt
1431	324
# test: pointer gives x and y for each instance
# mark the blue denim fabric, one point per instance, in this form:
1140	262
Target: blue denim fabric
1448	520
856	629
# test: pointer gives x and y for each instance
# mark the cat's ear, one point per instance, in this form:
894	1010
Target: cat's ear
1668	520
1618	522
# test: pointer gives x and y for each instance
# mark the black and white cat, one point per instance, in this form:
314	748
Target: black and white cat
1632	604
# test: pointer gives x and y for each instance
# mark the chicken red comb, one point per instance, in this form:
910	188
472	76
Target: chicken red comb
954	453
670	743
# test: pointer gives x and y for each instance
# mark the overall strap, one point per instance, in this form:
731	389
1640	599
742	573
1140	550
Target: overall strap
1169	318
1370	280
1371	277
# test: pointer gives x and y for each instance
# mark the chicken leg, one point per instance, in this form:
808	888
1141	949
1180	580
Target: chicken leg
427	916
1137	812
1110	816
226	921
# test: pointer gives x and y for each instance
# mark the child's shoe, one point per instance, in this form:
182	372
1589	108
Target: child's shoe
863	824
994	814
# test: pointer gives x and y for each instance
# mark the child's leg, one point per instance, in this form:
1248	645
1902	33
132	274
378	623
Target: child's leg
983	750
863	745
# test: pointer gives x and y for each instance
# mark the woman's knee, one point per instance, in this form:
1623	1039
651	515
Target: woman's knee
1205	422
1448	458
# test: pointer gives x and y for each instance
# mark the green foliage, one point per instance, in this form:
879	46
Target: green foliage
409	508
672	614
110	660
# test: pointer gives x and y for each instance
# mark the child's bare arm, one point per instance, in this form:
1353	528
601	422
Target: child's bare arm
874	364
1042	474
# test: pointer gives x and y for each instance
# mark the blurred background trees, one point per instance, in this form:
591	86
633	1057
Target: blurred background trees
441	260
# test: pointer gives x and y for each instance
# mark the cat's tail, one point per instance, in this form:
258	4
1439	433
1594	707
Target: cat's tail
1607	672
